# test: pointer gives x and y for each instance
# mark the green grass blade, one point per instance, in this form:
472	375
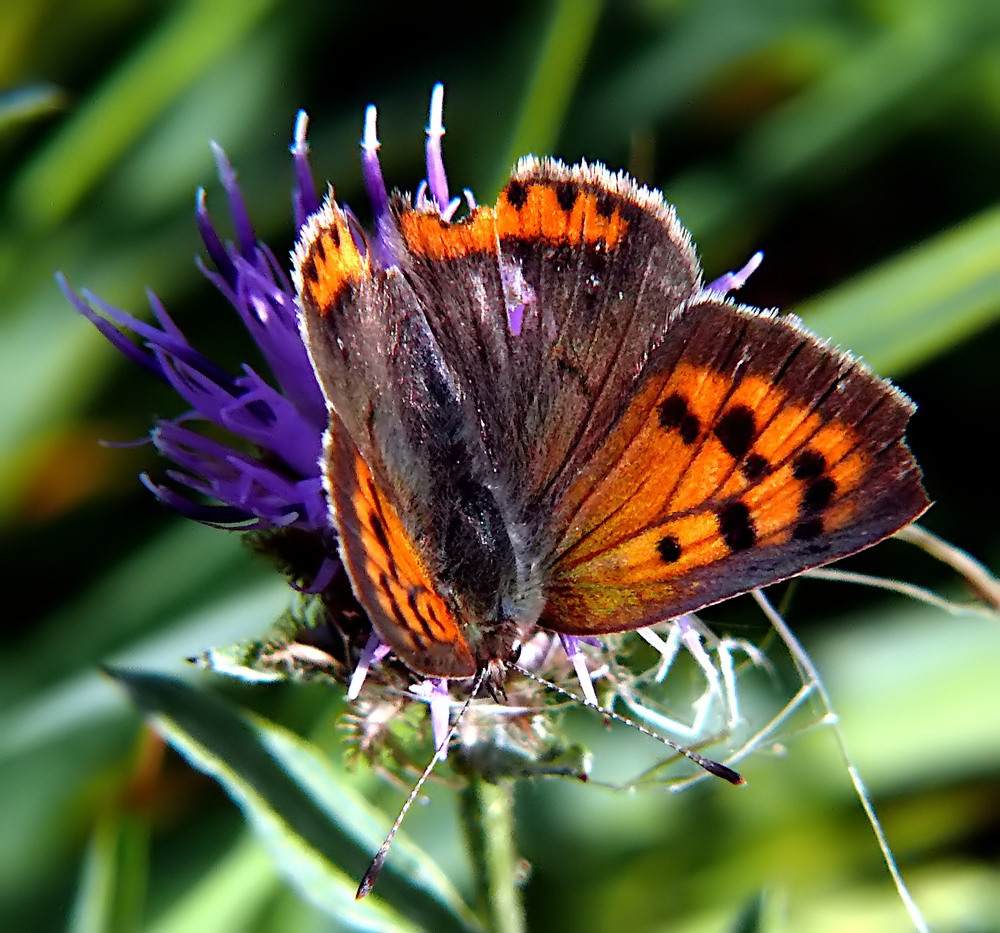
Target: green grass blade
920	303
553	83
229	898
111	895
92	907
135	95
319	831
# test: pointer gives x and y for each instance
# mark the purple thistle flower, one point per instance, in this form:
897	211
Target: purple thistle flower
272	480
268	478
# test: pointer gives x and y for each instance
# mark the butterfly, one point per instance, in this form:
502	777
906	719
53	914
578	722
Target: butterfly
541	420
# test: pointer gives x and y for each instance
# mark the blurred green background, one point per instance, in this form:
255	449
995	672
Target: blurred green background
856	143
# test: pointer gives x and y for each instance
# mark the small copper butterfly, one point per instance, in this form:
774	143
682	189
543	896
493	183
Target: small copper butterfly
541	419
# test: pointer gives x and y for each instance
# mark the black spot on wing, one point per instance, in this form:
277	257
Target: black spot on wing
736	430
606	204
517	194
809	465
819	494
808	529
669	549
675	416
566	195
736	526
755	467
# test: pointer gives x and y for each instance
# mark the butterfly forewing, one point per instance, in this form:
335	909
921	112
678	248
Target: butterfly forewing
750	453
546	307
395	416
601	266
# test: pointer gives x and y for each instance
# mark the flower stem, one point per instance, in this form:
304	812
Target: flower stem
488	815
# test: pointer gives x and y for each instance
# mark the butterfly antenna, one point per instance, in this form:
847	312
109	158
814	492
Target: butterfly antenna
375	868
709	764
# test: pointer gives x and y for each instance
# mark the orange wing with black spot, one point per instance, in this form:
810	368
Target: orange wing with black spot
750	453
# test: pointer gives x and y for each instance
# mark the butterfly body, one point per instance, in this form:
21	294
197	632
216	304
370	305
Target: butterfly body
538	418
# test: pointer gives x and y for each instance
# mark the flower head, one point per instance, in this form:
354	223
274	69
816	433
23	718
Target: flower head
271	479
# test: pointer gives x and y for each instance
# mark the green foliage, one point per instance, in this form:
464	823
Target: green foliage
317	828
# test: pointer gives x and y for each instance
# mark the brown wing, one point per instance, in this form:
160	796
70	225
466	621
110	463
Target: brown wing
591	267
750	453
387	392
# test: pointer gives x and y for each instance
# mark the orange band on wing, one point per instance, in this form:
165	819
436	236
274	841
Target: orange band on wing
427	235
558	212
331	263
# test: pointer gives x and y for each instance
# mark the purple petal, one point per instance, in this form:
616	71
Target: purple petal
440	701
304	199
328	569
240	480
371	169
437	180
213	244
571	645
252	410
373	652
117	339
269	313
170	340
220	516
732	281
245	236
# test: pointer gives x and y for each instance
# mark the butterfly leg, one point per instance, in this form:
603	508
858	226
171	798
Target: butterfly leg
684	632
693	731
667	649
719	701
725	651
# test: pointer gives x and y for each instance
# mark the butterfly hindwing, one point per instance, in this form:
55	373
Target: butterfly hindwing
387	571
750	453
